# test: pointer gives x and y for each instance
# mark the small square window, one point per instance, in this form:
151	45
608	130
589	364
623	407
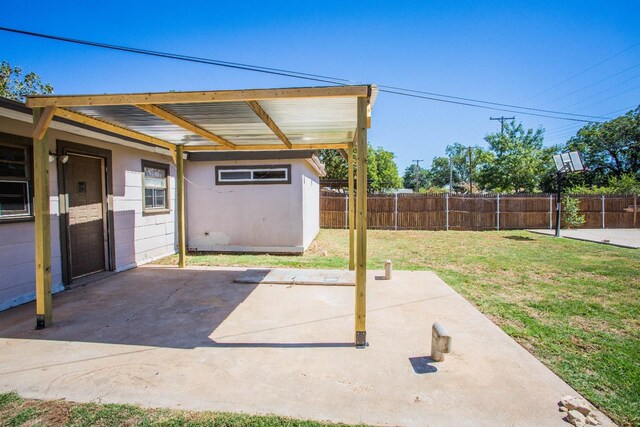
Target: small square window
15	178
14	199
155	186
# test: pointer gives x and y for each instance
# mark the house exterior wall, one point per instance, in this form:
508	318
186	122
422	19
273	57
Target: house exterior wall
251	218
138	237
310	205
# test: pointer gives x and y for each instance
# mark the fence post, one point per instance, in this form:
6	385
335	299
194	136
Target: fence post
446	209
346	211
603	211
550	211
635	208
498	211
395	211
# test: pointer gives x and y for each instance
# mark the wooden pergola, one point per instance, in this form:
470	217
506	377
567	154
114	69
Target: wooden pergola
334	117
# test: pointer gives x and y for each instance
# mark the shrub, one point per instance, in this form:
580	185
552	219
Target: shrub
571	217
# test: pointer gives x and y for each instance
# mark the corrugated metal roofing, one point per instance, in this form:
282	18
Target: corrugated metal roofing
322	119
326	120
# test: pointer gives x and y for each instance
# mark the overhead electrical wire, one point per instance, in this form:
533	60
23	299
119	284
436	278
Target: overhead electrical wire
603	91
585	70
326	79
594	83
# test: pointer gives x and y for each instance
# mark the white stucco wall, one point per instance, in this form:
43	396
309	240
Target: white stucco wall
250	218
310	206
138	237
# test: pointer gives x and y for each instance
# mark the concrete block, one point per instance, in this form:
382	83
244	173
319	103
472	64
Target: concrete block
388	269
440	342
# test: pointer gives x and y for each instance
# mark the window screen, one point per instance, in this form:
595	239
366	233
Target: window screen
15	200
155	186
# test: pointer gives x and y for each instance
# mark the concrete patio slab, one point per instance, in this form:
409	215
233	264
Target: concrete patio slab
293	276
623	237
192	339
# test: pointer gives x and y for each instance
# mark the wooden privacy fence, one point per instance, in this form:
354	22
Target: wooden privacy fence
477	211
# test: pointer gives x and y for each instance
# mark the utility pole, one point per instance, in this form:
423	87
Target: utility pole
450	174
502	120
470	169
417	174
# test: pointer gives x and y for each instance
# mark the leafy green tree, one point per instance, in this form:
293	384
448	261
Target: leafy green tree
387	177
409	178
334	164
459	155
382	170
520	161
609	149
14	85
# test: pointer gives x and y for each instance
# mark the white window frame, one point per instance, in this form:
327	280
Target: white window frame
22	214
253	171
26	180
155	209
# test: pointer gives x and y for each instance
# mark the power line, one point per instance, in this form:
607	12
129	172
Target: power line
594	83
585	70
604	91
431	96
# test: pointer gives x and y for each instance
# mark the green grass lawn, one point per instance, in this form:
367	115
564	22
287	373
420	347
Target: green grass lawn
15	411
575	305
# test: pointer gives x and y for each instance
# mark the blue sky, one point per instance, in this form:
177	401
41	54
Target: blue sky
509	52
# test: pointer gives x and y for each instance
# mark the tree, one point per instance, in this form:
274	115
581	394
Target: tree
609	149
382	171
14	85
409	177
520	163
334	164
459	155
386	170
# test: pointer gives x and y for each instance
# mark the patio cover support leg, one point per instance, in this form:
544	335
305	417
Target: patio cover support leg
44	316
351	209
361	224
180	196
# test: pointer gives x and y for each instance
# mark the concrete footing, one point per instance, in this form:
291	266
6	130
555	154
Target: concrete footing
388	269
440	342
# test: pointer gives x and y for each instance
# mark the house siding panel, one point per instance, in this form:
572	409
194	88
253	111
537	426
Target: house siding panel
138	237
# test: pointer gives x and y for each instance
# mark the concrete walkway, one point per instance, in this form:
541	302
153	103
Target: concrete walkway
192	339
623	237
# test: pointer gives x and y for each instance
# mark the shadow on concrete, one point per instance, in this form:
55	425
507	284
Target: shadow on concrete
284	345
422	365
158	306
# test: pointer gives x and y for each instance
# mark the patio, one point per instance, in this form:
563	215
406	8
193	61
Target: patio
192	339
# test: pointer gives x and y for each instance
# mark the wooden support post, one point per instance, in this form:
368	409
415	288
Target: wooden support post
44	316
351	208
361	224
182	247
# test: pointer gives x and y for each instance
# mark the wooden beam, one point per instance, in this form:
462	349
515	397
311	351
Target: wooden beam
43	123
257	108
361	226
110	127
196	97
44	317
344	154
182	247
266	147
183	123
351	209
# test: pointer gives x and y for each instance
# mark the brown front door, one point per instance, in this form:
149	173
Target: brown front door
84	182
